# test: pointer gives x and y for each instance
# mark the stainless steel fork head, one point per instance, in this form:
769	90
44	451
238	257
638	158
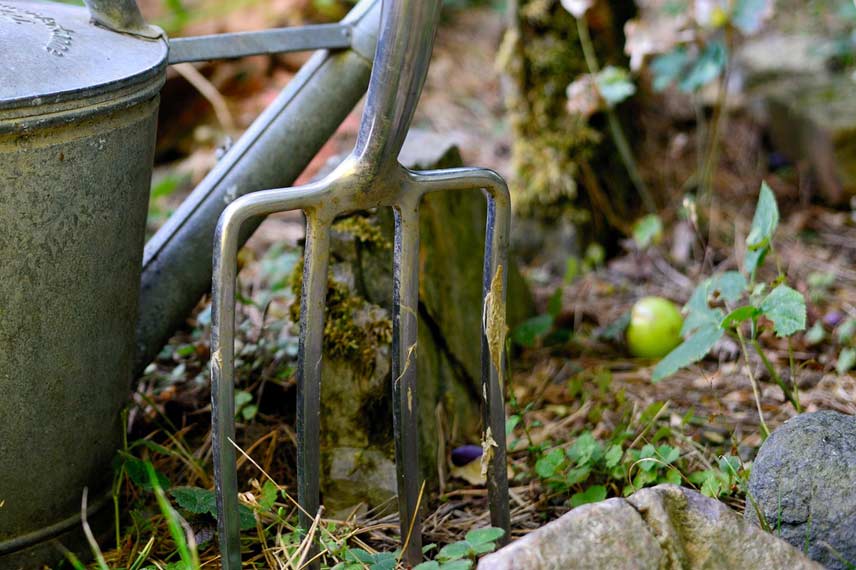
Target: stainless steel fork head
371	177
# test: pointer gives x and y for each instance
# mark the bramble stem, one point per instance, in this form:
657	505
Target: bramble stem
615	130
788	392
765	431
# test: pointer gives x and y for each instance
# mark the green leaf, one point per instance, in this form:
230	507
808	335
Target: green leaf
511	423
614	84
691	350
815	334
706	68
457	565
764	224
139	475
786	308
359	555
577	475
646	457
846	360
554	305
269	494
712	486
383	563
547	466
484	548
738	316
246	518
730	286
249	412
528	333
766	219
585	449
593	494
647	231
195	500
613	456
668	454
669	67
673	476
699	313
200	501
643	478
242	398
454	551
483	535
729	464
430	565
846	331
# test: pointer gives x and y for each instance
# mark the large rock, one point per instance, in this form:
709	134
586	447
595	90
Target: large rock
803	481
809	110
661	528
357	438
813	120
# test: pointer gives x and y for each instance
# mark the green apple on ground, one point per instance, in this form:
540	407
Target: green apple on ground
655	328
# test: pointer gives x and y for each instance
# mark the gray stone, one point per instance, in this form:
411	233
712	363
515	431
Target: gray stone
810	110
803	482
592	537
812	120
776	56
660	528
356	396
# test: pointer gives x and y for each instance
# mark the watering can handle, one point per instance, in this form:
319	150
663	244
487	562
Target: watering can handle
405	41
122	16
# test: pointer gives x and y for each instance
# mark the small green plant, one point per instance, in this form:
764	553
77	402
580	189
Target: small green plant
725	303
602	90
461	555
692	43
359	559
587	459
715	483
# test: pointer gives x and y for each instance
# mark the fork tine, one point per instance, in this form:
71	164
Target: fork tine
404	374
223	385
493	322
493	350
312	305
312	308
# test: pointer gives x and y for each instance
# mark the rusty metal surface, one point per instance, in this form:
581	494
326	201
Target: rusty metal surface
370	177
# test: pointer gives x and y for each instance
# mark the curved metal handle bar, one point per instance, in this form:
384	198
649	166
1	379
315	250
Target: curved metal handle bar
401	62
122	16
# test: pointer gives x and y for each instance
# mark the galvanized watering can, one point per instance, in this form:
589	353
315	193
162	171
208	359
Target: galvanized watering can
85	304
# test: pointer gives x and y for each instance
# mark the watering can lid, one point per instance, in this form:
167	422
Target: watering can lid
55	59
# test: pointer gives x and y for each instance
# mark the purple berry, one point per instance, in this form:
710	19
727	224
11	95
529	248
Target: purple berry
465	454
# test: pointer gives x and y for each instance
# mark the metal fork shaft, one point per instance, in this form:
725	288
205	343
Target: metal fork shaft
494	294
405	415
312	307
223	390
495	284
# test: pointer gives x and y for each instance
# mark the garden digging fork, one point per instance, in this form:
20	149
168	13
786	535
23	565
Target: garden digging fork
371	177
